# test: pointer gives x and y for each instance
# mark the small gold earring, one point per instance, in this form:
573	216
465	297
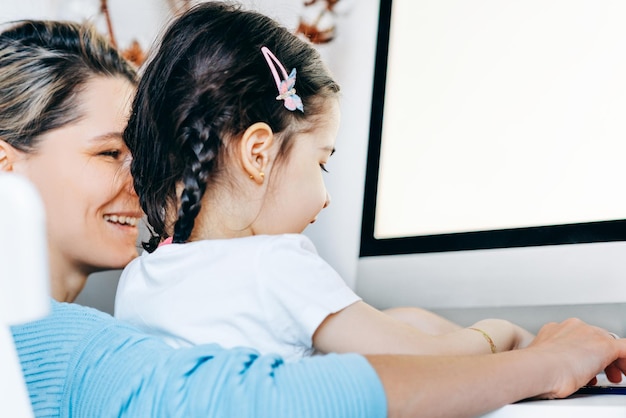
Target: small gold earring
262	175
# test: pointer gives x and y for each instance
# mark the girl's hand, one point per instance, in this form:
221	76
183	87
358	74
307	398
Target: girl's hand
524	339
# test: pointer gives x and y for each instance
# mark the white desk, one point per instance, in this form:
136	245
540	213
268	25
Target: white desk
577	406
583	406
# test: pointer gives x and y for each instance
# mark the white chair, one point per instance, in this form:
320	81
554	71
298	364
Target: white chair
24	282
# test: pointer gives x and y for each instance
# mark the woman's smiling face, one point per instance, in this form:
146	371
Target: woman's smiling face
82	173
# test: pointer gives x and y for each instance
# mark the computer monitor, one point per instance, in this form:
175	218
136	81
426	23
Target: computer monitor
497	157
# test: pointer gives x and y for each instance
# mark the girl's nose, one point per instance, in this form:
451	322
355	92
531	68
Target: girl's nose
327	200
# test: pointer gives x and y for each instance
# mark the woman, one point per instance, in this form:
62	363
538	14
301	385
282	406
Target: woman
70	145
80	362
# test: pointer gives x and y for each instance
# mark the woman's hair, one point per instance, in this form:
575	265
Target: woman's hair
43	67
207	83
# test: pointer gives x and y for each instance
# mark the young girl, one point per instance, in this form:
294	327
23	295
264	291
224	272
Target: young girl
233	123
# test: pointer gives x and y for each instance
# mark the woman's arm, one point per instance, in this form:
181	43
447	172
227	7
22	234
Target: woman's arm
212	382
83	363
562	358
78	362
363	329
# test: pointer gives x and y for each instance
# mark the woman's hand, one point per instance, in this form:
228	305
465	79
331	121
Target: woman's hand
561	359
583	351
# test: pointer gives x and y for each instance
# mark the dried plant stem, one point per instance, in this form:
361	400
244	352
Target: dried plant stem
104	9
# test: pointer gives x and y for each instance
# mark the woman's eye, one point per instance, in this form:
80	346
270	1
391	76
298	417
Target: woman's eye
111	153
323	167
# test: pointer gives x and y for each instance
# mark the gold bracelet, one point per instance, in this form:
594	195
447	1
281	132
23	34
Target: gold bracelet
492	345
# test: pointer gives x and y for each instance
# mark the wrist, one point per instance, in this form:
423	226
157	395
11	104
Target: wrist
487	337
502	333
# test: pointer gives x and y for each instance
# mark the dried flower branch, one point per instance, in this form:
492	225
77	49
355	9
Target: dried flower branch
104	10
317	22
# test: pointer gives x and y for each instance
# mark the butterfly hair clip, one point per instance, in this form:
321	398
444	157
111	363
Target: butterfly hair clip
286	84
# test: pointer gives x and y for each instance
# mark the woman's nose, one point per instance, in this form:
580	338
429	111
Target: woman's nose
131	186
128	178
127	183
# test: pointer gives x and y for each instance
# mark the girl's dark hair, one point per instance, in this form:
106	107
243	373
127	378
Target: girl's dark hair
205	85
43	66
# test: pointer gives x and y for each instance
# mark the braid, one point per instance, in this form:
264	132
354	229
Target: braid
199	148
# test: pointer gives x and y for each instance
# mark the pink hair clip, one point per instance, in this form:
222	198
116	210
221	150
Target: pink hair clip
285	85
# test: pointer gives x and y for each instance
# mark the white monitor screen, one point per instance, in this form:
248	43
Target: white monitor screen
499	115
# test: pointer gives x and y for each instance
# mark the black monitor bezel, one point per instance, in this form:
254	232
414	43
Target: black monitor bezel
604	231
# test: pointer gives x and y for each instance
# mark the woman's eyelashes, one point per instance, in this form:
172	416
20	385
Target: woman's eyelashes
117	154
323	167
111	153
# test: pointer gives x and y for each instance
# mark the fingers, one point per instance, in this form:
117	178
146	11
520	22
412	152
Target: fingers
587	349
615	370
613	373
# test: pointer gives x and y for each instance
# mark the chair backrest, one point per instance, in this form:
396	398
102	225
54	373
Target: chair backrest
24	281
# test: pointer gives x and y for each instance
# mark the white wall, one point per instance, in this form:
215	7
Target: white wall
140	19
350	57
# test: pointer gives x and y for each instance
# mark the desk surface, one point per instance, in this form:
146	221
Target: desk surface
576	406
583	406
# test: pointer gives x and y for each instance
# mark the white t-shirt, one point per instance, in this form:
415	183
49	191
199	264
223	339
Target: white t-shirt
269	292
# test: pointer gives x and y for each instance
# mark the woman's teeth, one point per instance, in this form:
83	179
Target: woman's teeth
123	220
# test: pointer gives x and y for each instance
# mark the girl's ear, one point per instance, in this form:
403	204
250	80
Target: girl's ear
256	150
8	155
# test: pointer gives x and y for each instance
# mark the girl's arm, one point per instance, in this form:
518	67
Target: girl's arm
363	329
422	319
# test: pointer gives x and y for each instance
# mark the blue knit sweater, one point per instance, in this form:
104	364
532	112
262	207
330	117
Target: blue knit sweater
79	362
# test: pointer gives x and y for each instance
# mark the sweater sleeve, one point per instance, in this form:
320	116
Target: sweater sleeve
107	369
